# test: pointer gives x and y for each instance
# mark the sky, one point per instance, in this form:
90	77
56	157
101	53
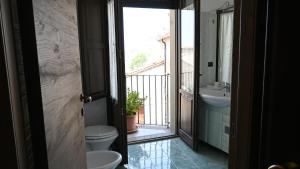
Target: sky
144	27
142	30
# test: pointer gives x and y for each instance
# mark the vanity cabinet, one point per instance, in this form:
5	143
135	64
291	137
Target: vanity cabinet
214	126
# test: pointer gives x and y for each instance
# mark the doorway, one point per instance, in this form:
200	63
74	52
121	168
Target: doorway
247	25
149	69
215	70
202	67
202	52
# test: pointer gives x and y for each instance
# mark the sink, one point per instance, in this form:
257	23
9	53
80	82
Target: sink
215	97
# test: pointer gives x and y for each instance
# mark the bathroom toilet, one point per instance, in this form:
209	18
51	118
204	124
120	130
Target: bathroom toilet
98	140
100	137
103	159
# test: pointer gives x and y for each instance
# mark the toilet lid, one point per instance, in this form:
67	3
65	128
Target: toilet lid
100	131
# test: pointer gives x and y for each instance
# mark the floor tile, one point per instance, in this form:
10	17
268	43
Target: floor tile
174	154
147	132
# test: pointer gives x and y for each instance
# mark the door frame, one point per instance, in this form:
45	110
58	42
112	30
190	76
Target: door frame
8	143
120	105
28	45
248	71
14	123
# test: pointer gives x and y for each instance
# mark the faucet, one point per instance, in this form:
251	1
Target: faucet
227	87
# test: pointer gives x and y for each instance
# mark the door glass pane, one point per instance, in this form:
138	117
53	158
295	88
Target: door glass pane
187	48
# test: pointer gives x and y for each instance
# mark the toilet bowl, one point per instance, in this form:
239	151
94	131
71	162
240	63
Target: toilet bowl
100	137
103	159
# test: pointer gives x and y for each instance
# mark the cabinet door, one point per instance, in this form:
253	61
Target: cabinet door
214	128
225	131
203	120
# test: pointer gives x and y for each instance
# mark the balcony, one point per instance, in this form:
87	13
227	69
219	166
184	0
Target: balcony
153	119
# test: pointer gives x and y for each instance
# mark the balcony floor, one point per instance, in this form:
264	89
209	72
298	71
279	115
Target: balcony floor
145	132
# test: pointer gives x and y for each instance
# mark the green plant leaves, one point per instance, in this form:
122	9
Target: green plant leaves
133	102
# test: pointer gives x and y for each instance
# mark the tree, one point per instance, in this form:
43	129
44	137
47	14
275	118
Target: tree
138	61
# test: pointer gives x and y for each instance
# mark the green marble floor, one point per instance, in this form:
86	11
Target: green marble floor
174	154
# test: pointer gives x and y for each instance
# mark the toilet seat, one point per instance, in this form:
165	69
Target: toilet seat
100	132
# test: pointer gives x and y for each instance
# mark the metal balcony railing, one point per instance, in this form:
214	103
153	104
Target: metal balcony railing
156	89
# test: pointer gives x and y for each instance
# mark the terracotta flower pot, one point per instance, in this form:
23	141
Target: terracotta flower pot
131	124
140	119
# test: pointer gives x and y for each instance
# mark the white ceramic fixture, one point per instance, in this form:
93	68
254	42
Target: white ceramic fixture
215	97
103	159
100	137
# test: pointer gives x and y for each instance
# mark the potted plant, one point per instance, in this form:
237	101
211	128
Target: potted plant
133	104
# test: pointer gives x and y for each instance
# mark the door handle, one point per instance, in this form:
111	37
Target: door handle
85	99
276	167
89	99
290	165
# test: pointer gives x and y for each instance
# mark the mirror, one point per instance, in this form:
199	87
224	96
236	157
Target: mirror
216	43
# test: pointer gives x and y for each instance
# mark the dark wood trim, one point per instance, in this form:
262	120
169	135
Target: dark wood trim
217	47
234	88
33	86
8	145
196	74
279	142
153	139
81	39
186	137
178	67
247	82
121	76
259	83
160	4
227	10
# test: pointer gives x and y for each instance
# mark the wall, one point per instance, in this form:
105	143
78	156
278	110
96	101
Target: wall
208	47
95	113
60	76
173	114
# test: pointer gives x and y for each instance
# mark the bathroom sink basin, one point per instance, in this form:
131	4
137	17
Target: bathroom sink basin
215	97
